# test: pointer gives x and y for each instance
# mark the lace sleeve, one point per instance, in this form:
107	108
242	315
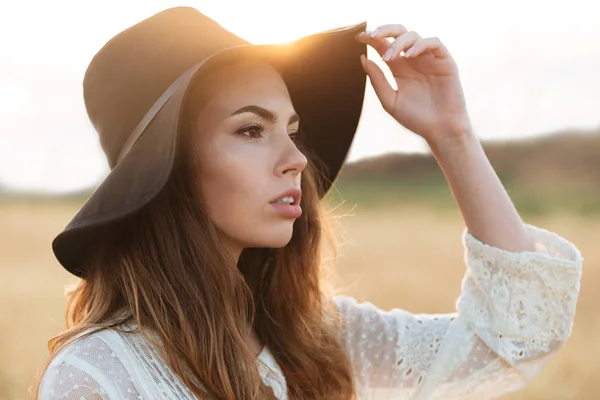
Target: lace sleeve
515	311
87	369
64	381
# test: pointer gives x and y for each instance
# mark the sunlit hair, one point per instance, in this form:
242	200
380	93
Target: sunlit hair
164	271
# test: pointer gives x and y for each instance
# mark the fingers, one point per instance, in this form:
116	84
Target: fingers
379	44
409	42
378	39
401	43
393	31
432	45
384	91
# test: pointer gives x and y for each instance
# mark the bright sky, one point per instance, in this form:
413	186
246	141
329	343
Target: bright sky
527	66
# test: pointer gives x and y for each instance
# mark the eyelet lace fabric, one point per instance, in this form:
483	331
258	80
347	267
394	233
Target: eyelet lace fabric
514	312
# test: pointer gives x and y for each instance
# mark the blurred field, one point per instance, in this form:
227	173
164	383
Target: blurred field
407	256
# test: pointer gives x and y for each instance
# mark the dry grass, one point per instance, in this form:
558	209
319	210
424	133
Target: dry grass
408	257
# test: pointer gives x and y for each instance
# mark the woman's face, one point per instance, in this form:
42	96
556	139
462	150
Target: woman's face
247	157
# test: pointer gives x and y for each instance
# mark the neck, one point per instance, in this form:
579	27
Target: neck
233	248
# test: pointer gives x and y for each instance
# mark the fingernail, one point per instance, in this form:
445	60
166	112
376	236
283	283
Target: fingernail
409	52
387	54
374	33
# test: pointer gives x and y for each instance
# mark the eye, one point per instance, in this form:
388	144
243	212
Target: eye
293	135
253	131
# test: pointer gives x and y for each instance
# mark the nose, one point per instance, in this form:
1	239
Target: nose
292	160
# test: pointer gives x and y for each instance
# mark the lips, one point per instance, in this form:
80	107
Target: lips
294	192
289	210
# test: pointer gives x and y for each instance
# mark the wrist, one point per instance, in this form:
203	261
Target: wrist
454	142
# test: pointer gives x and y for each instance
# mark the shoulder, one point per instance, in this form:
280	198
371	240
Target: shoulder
93	366
94	347
350	307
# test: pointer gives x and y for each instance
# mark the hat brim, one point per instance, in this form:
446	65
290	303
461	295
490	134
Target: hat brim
326	83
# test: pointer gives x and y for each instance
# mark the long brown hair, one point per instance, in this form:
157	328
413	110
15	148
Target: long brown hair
165	271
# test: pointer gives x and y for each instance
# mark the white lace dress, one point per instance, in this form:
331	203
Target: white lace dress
514	313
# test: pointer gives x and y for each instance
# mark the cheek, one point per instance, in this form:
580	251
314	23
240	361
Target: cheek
237	186
233	189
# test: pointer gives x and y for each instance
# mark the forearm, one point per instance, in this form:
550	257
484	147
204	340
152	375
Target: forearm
487	209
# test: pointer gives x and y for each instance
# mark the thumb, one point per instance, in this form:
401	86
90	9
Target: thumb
384	91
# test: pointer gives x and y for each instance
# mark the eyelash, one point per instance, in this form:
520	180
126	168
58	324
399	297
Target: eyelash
260	128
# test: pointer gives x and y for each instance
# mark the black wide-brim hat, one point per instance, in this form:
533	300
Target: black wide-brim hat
136	86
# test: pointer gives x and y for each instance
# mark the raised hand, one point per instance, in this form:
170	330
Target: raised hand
429	99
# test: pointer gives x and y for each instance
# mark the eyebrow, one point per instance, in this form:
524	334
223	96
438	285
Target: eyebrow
264	114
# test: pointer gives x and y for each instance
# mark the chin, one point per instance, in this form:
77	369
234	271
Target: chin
276	237
280	244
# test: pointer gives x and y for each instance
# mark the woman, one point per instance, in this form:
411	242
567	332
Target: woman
200	254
